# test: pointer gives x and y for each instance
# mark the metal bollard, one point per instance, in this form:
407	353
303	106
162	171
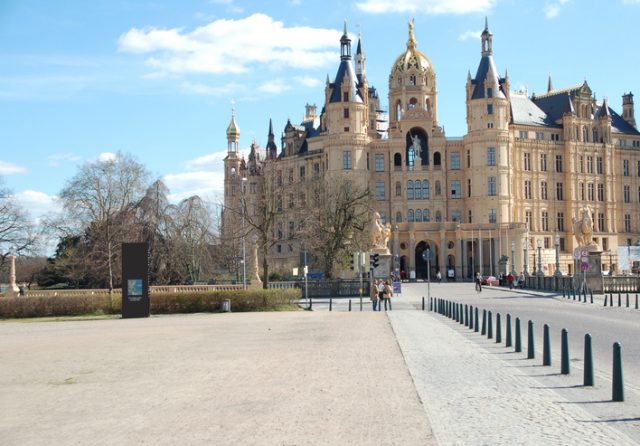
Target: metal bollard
471	317
310	303
498	329
627	300
349	304
466	315
619	300
606	298
456	313
546	346
531	353
489	325
636	301
518	348
591	293
484	323
422	303
617	386
588	361
508	342
564	353
475	327
330	303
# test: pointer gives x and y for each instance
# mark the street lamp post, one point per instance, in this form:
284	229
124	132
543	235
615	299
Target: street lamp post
535	271
525	247
244	252
539	244
513	258
557	242
610	264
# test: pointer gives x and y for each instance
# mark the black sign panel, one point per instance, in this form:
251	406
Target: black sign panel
135	280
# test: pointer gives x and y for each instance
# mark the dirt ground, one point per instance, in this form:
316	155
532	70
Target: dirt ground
289	378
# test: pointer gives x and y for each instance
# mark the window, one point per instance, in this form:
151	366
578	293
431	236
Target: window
527	189
469	187
543	190
291	202
561	247
279	178
544	220
253	187
409	190
558	163
303	199
418	190
489	92
379	190
489	109
438	188
491	156
398	189
522	134
639	168
492	216
581	188
279	203
559	191
292	228
528	219
290	175
625	168
346	159
469	161
560	221
410	215
543	162
546	242
426	215
470	216
456	192
379	160
605	244
600	192
316	169
418	215
302	173
627	222
491	186
555	137
489	125
398	217
581	163
589	164
456	216
539	136
425	189
590	195
455	160
627	194
599	166
438	216
601	227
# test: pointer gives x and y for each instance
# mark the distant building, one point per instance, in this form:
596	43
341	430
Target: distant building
527	166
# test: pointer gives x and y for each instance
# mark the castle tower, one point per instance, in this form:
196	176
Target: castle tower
627	109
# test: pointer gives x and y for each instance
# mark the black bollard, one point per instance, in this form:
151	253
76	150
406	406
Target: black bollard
422	303
617	386
574	294
471	317
489	325
611	300
518	336
310	304
591	293
605	300
531	354
546	346
619	300
466	315
456	313
564	353
498	329
484	323
461	314
475	327
349	304
636	301
330	303
627	300
588	361
508	342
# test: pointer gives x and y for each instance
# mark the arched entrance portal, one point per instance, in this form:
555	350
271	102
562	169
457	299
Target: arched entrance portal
421	263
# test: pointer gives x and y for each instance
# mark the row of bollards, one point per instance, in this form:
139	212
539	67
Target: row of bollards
609	299
467	315
581	295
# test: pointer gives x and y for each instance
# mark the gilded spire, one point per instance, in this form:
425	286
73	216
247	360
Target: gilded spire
411	43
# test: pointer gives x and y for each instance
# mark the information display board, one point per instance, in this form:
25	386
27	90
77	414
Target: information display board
135	280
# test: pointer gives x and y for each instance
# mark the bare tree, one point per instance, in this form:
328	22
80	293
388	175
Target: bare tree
338	221
17	232
101	198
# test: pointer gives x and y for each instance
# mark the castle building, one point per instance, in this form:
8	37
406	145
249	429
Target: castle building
495	200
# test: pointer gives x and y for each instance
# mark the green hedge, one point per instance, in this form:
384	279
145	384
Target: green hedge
161	303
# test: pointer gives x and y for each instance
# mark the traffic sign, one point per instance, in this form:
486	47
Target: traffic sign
584	266
427	254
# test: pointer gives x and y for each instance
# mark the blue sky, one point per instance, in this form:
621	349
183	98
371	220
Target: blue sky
80	80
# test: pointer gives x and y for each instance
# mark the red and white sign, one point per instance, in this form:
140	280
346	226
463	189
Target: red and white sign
584	266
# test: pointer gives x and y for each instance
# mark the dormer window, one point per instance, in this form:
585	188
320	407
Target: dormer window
345	96
489	92
412	80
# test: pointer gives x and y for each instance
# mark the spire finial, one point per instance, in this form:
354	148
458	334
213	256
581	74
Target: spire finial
345	26
549	84
486	23
412	40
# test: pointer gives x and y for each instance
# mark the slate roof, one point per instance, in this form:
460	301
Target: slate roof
525	111
486	62
555	105
345	69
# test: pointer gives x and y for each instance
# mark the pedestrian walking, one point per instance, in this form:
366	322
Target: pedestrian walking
380	294
374	295
439	276
387	294
510	279
478	282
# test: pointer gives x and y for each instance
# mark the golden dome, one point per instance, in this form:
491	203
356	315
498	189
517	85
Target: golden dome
233	130
412	59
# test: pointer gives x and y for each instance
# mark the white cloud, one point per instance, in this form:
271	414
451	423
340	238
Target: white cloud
209	162
201	183
426	6
37	203
107	156
7	168
60	158
308	81
208	90
233	46
552	9
471	34
275	86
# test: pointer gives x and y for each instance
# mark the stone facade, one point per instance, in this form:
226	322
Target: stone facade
526	168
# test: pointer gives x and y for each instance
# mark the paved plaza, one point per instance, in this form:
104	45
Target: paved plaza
405	377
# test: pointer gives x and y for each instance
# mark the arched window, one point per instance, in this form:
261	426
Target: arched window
418	189
437	160
397	160
398	110
427	105
398	189
410	215
438	216
585	134
412	79
595	135
398	217
425	190
426	215
409	190
438	188
412	103
418	215
399	81
232	172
